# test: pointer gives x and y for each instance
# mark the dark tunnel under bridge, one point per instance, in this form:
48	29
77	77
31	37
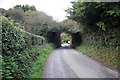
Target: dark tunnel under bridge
54	37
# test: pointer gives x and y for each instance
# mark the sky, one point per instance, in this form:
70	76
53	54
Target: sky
54	8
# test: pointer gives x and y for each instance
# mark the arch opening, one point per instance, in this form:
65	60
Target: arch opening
59	38
65	39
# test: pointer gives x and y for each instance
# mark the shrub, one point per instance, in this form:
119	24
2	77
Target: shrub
17	50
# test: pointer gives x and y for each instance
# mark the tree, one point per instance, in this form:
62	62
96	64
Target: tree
39	23
17	14
69	25
93	15
25	7
99	21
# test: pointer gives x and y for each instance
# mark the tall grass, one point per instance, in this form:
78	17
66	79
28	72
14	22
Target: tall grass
106	55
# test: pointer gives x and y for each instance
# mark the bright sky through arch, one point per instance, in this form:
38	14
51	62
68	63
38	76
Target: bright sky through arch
54	8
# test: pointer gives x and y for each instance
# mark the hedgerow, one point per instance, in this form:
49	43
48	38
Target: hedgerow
18	50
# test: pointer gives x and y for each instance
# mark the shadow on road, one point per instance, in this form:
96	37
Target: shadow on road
65	47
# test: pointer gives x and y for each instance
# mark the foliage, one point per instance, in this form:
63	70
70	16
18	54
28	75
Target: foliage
38	22
0	38
20	45
1	67
99	22
100	27
38	66
17	51
69	26
25	7
65	38
106	55
16	14
88	14
31	20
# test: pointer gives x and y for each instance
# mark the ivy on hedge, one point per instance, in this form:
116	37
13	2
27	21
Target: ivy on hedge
17	50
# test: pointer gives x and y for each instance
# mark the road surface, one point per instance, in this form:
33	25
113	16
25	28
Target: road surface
69	63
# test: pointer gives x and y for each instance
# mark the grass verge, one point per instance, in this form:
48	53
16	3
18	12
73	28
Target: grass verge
38	66
108	56
0	67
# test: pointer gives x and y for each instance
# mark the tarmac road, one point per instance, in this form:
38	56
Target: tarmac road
69	63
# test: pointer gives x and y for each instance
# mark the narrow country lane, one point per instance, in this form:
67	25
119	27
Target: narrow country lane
68	63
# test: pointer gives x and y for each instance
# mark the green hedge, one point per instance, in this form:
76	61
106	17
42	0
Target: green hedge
38	66
17	50
103	39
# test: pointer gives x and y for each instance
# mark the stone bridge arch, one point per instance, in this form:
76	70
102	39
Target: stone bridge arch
54	37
